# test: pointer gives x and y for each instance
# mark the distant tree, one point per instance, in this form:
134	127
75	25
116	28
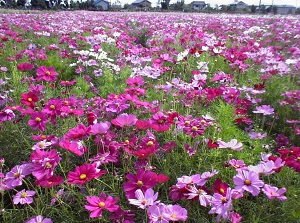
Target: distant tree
224	8
253	8
179	5
165	4
263	9
297	12
38	4
275	10
126	6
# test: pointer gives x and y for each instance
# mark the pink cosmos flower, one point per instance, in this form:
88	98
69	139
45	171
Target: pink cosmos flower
159	122
44	163
175	213
15	176
38	219
56	196
25	66
46	74
24	197
124	120
235	217
264	109
99	128
248	181
199	194
6	115
83	174
221	205
73	146
50	182
38	121
273	192
233	144
142	180
238	164
157	213
98	204
257	135
78	133
144	201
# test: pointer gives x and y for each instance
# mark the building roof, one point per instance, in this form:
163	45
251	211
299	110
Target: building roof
139	1
198	2
98	1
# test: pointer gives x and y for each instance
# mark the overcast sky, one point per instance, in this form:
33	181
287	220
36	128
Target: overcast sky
220	2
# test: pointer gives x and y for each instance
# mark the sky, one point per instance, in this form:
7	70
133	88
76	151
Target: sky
221	2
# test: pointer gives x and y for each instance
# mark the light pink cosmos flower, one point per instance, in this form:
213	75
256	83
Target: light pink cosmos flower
38	219
176	213
157	213
264	109
24	197
195	192
273	192
221	205
238	164
257	135
187	180
233	144
248	181
15	176
144	201
124	120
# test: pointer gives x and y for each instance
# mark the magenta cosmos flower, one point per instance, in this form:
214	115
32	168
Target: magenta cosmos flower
98	204
83	174
38	121
142	180
24	197
38	219
124	120
248	181
46	74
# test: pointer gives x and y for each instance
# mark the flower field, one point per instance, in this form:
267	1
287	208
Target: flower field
149	117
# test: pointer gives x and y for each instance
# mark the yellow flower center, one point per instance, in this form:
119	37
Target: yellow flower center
66	102
101	204
140	183
52	107
298	158
29	99
224	200
17	175
48	165
41	145
150	143
187	122
50	182
44	136
126	141
23	195
160	121
174	216
37	119
222	190
194	128
48	73
144	201
117	104
247	182
237	166
82	176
